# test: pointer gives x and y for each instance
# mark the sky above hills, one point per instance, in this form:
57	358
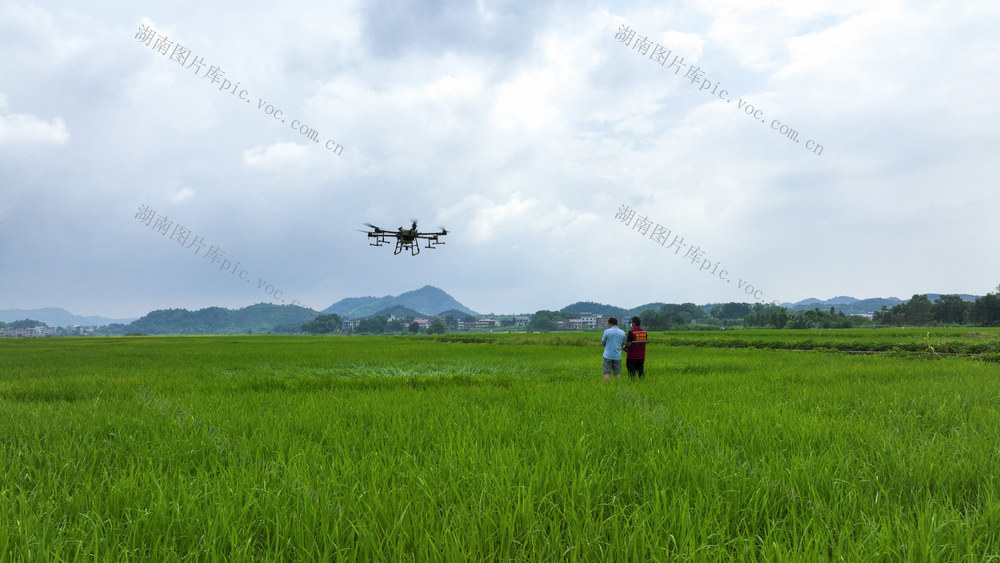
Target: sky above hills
523	127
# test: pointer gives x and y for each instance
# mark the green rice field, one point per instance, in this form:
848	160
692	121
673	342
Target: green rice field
757	445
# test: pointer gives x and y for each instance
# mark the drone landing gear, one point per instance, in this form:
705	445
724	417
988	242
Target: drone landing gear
401	246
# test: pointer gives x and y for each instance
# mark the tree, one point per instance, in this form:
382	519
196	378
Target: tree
26	323
323	324
414	327
451	321
544	320
653	320
778	318
986	310
731	311
374	324
950	309
886	316
395	325
437	327
683	313
118	329
919	310
797	320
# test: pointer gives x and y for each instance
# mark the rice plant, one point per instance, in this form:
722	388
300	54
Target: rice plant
505	447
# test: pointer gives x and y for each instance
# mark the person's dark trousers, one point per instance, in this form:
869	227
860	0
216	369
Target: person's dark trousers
635	367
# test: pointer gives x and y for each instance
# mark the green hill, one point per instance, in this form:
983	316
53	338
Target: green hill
426	301
262	317
400	311
348	304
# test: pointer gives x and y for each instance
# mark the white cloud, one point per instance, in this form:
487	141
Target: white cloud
524	103
18	130
276	156
181	194
25	130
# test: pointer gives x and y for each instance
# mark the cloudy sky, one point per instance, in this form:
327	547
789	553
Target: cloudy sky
521	126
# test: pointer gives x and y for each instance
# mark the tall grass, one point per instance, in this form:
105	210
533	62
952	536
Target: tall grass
421	448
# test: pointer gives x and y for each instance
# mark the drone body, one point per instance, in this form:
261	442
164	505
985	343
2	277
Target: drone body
406	239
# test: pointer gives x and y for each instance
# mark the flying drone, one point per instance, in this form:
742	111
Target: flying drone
406	239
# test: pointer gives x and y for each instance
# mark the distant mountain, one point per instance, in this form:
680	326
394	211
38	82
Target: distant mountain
852	306
841	300
864	306
400	311
262	317
369	309
806	304
845	304
609	310
454	312
345	305
965	296
849	305
54	316
427	300
431	300
813	302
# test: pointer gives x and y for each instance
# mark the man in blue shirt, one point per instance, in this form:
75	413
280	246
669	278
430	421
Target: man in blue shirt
613	341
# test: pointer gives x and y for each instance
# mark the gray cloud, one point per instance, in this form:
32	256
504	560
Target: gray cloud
520	127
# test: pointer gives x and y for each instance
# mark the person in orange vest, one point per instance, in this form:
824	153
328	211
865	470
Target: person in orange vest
635	348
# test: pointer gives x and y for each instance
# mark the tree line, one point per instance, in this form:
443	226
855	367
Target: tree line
918	311
946	310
